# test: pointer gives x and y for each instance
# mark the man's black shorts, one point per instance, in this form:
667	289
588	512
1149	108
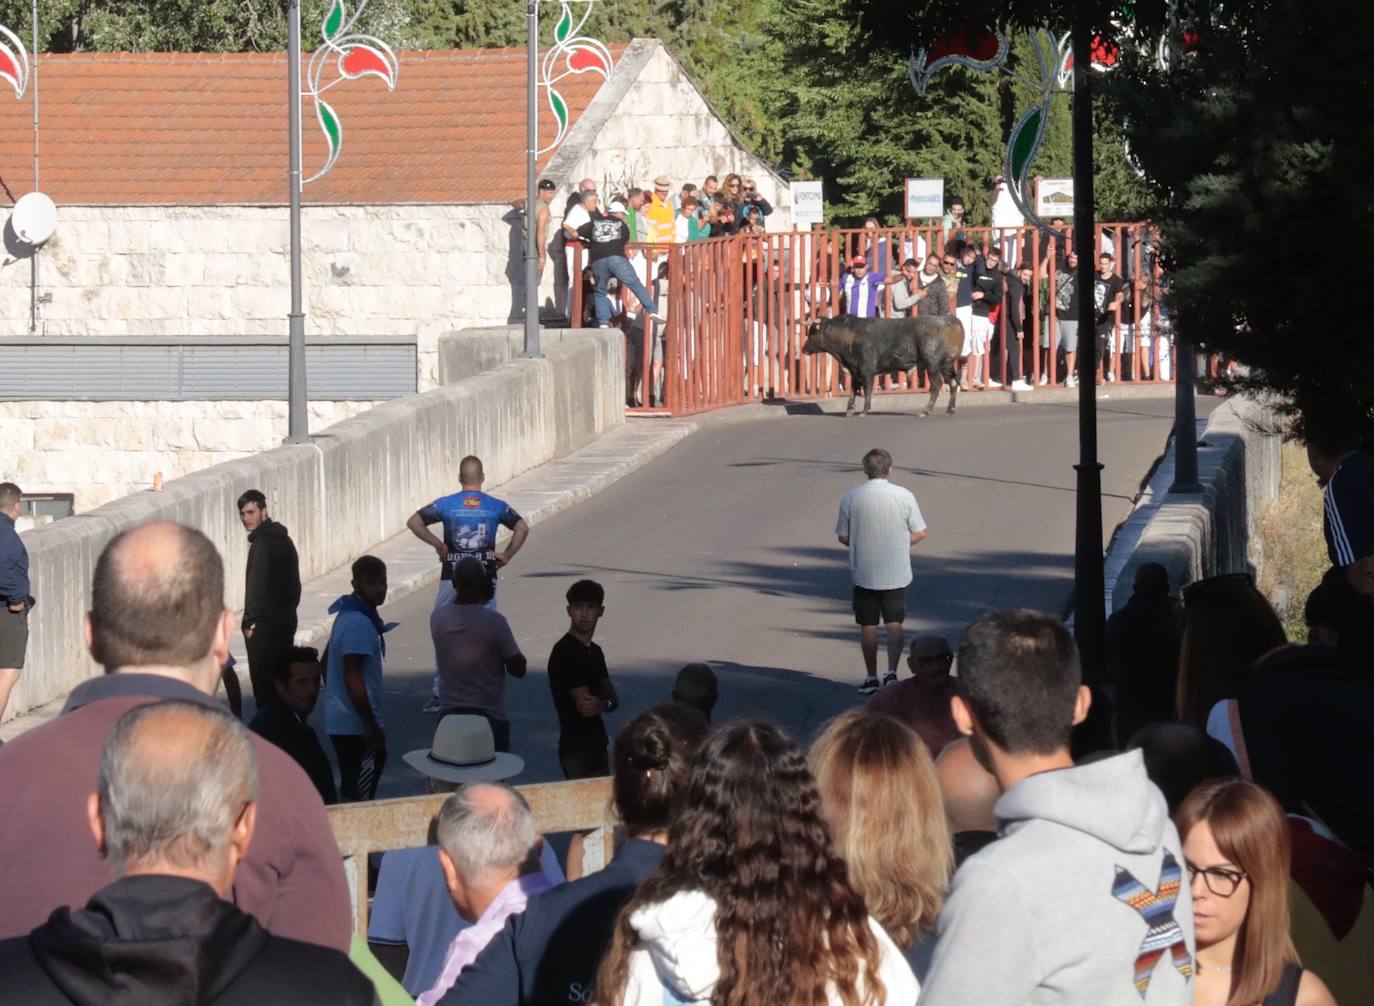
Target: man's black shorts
14	636
874	606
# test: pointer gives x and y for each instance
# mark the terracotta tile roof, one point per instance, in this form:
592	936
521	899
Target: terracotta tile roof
198	129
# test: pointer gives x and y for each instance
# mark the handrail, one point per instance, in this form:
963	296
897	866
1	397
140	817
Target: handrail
361	829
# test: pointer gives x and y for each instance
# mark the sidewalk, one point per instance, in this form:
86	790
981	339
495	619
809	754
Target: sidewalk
537	494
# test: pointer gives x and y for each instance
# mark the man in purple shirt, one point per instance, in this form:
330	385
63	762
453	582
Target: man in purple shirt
489	853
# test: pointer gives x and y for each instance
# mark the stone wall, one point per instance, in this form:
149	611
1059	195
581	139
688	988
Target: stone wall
1196	535
100	451
349	489
224	270
660	124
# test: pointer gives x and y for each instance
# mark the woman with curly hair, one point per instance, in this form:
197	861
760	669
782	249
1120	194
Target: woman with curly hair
881	796
751	907
1236	848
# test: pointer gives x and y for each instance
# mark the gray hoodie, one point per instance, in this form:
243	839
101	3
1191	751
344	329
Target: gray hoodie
1083	901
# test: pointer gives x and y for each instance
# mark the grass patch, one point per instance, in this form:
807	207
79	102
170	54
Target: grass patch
1294	551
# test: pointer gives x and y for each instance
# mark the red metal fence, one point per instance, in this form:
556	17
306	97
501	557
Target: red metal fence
737	309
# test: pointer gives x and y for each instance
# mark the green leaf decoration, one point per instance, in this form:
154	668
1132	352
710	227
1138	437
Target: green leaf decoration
1023	146
560	109
334	20
333	130
564	24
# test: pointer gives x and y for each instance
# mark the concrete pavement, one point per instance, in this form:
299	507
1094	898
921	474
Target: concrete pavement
704	559
723	550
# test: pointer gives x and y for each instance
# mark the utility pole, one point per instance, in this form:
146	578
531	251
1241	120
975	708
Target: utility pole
1090	619
298	422
531	191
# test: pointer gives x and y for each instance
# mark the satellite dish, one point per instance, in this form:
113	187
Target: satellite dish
34	218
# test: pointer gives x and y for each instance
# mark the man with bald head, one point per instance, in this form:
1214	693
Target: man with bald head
159	628
970	792
174	811
922	700
489	854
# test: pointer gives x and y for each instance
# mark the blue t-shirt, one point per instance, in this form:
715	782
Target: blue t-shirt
353	633
470	521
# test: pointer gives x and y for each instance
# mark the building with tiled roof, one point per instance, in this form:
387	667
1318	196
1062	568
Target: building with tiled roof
134	338
169	171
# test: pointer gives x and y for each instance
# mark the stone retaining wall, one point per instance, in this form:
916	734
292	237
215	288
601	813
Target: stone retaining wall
353	487
1195	535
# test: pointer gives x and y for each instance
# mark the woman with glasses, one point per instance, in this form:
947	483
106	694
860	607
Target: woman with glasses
1236	848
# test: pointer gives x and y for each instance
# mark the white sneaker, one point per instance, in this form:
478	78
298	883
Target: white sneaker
1070	381
889	679
1020	384
994	384
1111	378
1044	378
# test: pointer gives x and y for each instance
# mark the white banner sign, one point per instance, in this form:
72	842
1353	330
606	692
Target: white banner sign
1054	198
925	198
808	204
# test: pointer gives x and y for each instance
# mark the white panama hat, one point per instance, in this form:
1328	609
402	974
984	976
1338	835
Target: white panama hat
464	751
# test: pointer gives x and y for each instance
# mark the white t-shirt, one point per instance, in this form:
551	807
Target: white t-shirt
1004	210
879	519
577	216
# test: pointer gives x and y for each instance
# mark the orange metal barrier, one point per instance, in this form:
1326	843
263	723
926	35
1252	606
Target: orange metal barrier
737	310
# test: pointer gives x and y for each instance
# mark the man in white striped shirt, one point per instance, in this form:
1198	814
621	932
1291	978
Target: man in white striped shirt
879	522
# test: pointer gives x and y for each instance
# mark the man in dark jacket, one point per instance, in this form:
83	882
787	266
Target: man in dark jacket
1020	327
285	720
270	595
174	811
987	287
158	626
15	600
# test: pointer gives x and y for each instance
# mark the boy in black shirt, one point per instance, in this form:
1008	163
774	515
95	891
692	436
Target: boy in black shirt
1108	293
581	688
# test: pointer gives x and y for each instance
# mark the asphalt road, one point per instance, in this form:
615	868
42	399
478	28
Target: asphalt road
723	550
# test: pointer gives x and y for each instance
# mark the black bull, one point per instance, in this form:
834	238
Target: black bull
867	347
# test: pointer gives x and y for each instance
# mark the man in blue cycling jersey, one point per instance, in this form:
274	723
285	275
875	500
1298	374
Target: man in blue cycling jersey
470	518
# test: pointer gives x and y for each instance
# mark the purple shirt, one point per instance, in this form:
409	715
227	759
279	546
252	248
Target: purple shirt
472	940
472	644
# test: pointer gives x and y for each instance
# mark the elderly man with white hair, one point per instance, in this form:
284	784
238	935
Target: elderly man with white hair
489	852
174	812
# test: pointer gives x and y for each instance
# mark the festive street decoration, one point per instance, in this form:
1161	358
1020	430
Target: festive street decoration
353	57
14	62
571	53
987	52
984	51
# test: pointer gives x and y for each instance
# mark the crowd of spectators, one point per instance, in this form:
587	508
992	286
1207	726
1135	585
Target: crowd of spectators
944	842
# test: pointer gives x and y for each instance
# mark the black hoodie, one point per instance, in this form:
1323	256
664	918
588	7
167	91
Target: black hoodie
273	587
154	940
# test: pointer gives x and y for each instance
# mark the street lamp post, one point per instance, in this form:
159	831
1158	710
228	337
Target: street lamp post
531	191
1090	618
298	422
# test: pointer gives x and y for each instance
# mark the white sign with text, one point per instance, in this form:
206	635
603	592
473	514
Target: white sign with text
808	204
1054	198
924	198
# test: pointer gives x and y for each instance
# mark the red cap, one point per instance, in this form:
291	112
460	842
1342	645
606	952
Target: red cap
858	260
